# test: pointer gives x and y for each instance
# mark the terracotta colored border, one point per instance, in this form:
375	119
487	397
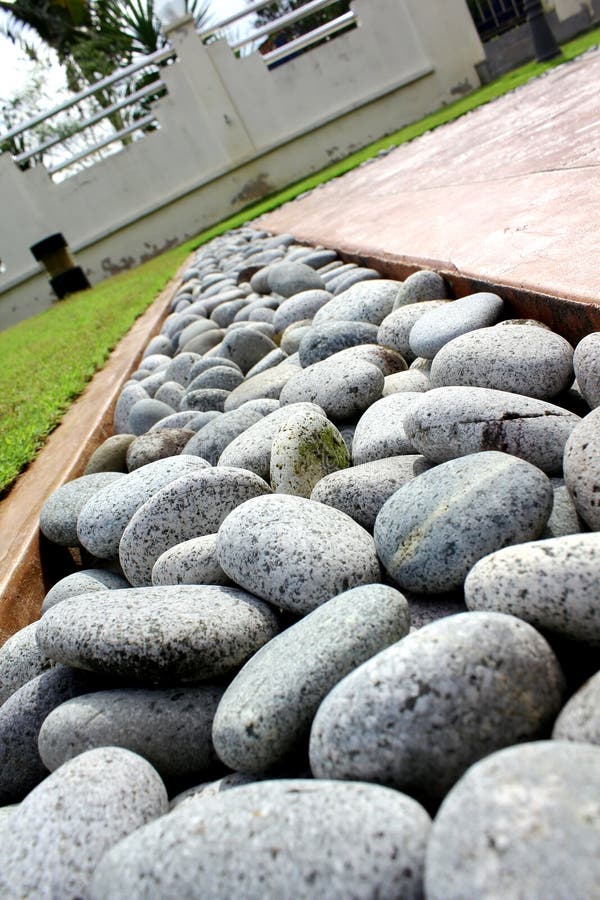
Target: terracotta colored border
29	564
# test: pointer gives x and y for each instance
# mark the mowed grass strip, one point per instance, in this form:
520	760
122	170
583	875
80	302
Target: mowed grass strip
48	360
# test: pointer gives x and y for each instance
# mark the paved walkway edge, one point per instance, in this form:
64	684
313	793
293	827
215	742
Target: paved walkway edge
30	564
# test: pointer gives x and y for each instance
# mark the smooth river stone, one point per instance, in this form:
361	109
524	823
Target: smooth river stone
204	400
146	413
552	583
224	377
380	431
266	712
246	346
211	440
63	828
110	456
582	468
384	358
418	714
169	727
82	582
322	341
191	562
342	388
288	838
58	516
189	507
421	287
429	333
564	518
361	491
531	361
301	306
586	362
368	301
411	380
432	530
265	385
579	719
522	823
157	445
21	660
292	337
103	519
290	278
295	553
306	448
252	449
179	633
455	421
129	396
395	329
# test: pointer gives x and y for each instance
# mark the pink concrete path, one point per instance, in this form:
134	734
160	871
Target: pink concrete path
508	194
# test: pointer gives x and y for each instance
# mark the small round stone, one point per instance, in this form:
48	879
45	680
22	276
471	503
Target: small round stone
204	400
246	346
211	440
146	413
288	838
306	448
520	823
341	387
294	552
59	514
21	660
421	287
439	326
131	394
156	445
191	562
289	278
380	430
367	301
321	341
395	329
83	582
301	306
110	456
264	385
419	713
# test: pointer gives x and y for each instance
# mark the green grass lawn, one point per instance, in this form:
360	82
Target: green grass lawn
47	360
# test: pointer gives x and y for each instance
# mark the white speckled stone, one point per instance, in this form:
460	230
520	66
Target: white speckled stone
367	301
411	380
169	727
586	361
342	388
418	714
552	583
288	838
82	582
20	660
266	712
58	516
579	719
252	449
190	562
157	444
380	431
103	519
295	553
521	823
395	329
564	518
129	396
433	529
535	362
64	827
267	384
455	421
385	359
189	507
421	287
582	468
179	633
429	333
301	306
305	449
211	440
361	491
322	341
290	278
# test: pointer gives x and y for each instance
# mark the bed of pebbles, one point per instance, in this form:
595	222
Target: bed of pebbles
337	635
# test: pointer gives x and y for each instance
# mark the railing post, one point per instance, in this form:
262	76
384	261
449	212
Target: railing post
544	42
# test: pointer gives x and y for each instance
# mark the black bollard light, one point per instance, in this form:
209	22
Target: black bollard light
544	42
66	277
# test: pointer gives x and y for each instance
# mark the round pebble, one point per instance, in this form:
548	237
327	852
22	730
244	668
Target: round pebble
156	445
306	448
439	326
586	362
582	468
59	514
341	387
83	582
579	719
420	287
321	341
380	430
21	660
289	278
190	562
110	456
367	301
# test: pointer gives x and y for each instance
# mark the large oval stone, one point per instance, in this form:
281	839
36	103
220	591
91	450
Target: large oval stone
192	506
341	387
294	552
433	529
266	712
288	838
439	326
418	714
176	633
306	448
58	516
367	301
524	821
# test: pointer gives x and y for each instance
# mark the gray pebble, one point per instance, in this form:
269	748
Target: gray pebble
191	562
175	633
385	359
520	823
395	329
269	361
429	333
418	714
552	583
455	421
20	660
169	727
64	827
103	519
421	287
288	838
246	346
82	582
411	380
306	447
146	413
191	506
380	430
586	361
204	400
131	394
202	343
295	553
356	276
211	440
582	468
435	528
189	419
361	491
171	393
301	306
341	387
579	719
289	278
321	341
223	377
564	518
293	335
535	362
266	712
368	301
157	445
181	367
264	385
110	456
58	516
210	362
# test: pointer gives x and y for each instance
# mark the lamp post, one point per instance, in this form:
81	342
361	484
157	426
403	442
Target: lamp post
544	42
